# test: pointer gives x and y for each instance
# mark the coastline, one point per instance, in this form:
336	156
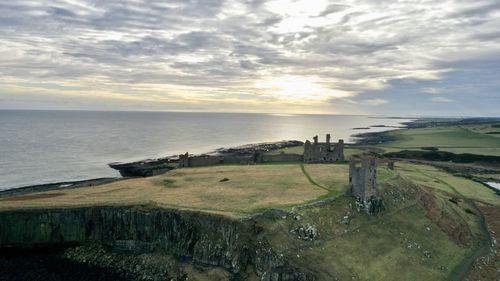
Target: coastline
360	139
373	138
57	185
144	165
245	149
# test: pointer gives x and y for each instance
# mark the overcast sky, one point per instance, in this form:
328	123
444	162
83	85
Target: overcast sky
310	56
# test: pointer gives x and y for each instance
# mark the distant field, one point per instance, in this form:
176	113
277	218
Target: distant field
429	176
489	129
475	139
246	190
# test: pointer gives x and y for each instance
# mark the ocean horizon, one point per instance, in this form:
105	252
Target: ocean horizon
47	146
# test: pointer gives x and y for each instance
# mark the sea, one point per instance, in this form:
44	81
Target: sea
39	147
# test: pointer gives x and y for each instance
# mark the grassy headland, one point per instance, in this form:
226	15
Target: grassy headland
434	223
481	139
234	190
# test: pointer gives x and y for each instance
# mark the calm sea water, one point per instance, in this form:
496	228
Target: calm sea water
39	147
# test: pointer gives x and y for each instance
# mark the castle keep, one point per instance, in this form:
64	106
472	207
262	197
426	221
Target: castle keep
325	152
363	185
362	179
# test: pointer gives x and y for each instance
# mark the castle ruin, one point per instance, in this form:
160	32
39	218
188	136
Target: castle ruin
184	160
363	184
362	178
188	160
324	152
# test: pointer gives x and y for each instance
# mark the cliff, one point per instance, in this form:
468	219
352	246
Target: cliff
204	239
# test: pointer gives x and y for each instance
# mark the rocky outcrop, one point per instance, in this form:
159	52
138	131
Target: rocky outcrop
204	239
456	230
250	149
144	168
242	155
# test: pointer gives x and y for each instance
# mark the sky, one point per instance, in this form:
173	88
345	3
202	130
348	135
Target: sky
407	57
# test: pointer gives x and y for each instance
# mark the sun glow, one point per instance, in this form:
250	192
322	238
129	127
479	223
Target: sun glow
298	89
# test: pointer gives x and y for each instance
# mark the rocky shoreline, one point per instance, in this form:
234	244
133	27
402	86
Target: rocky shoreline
147	167
55	186
152	167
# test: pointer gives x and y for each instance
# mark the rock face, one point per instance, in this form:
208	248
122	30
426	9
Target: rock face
306	232
204	239
144	168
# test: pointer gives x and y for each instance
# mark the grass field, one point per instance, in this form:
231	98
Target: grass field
488	129
434	178
457	139
247	189
332	177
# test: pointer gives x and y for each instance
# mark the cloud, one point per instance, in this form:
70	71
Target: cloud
441	100
222	49
376	102
433	91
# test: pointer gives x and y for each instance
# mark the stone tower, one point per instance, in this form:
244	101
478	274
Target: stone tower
323	152
184	160
363	179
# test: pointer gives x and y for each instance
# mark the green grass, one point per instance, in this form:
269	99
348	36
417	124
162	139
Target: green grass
331	177
349	152
434	178
392	246
489	129
248	189
454	139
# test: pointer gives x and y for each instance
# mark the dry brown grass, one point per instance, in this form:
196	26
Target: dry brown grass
331	176
248	189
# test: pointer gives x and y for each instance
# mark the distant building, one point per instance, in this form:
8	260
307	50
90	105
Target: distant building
184	160
325	152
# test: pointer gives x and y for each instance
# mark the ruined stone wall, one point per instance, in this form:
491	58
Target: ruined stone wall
238	160
326	152
184	160
206	160
285	157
